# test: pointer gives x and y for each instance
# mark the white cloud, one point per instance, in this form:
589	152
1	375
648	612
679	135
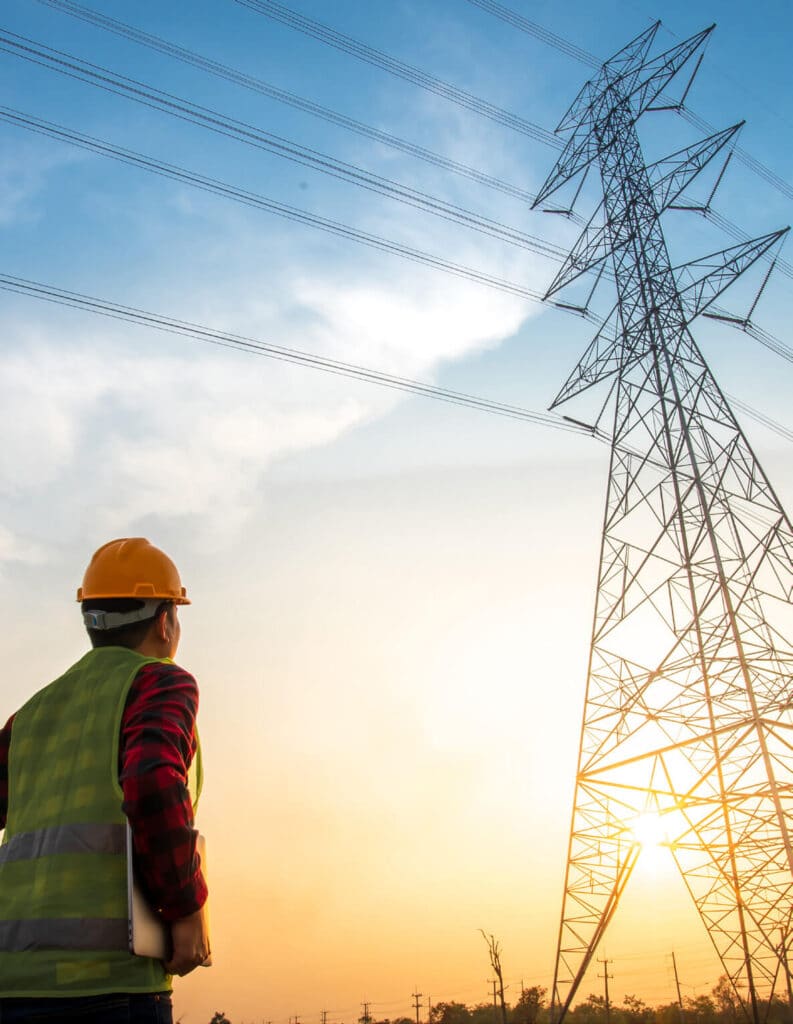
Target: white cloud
120	425
114	425
25	169
14	548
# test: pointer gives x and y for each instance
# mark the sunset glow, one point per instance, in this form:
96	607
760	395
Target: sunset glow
392	597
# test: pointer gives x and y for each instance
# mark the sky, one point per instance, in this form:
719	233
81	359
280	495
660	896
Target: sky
392	596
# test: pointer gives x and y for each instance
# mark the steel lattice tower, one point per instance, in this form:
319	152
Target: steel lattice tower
688	704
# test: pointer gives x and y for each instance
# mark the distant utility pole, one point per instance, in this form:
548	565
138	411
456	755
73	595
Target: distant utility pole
366	1019
417	1004
494	982
429	1010
677	986
324	1016
605	976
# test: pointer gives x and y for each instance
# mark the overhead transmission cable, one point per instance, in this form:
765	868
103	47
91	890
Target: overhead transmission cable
250	82
246	197
253	199
226	339
200	332
531	28
175	106
184	110
386	62
258	85
247	81
108	80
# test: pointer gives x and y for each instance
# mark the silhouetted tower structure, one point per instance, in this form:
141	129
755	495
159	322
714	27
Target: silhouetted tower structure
687	713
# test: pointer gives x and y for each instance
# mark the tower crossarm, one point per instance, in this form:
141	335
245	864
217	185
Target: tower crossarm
669	178
628	78
698	290
674	173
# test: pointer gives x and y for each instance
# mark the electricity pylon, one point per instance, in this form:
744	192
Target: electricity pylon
687	718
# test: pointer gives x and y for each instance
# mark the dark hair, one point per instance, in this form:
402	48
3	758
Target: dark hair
130	636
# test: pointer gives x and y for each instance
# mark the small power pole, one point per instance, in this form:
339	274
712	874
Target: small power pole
605	976
416	997
324	1016
366	1019
494	982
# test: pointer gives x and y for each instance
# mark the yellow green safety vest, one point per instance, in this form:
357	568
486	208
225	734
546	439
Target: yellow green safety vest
64	928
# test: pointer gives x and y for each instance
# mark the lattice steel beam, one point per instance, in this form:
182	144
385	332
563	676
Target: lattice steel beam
687	713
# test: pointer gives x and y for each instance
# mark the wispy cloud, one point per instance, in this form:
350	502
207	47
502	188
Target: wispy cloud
25	170
130	424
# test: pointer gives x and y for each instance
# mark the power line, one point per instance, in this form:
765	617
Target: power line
386	62
258	201
200	332
175	106
533	28
585	57
252	199
371	55
250	82
246	81
106	79
225	339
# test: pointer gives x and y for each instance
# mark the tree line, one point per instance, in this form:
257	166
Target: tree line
721	1006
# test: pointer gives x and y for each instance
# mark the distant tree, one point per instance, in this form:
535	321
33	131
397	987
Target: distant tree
403	1020
220	1018
450	1013
531	1001
726	999
669	1013
591	1011
485	1013
494	951
699	1010
636	1011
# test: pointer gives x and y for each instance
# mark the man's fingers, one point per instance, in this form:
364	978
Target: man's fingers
180	967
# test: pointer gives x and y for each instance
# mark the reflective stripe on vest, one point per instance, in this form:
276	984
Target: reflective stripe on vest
79	933
47	842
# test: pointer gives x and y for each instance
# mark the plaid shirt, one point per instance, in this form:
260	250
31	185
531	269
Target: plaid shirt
157	746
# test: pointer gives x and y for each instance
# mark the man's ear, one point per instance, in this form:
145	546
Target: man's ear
162	625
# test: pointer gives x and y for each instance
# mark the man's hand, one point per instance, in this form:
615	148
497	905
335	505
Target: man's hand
190	943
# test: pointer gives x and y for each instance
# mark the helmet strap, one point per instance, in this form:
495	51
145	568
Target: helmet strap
97	619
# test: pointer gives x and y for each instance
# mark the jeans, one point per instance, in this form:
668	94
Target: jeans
113	1008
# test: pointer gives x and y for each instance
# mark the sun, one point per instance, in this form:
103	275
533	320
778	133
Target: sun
649	831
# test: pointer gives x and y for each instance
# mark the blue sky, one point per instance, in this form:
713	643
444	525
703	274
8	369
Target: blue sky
386	583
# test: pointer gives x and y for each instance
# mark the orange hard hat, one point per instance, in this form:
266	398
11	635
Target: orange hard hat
132	567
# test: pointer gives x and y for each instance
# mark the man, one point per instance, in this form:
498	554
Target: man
110	741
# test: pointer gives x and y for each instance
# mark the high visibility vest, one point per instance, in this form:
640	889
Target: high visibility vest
64	928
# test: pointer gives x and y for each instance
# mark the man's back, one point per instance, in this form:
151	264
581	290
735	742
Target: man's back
111	740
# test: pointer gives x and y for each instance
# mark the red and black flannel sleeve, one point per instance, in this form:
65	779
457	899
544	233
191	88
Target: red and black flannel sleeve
157	746
5	743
